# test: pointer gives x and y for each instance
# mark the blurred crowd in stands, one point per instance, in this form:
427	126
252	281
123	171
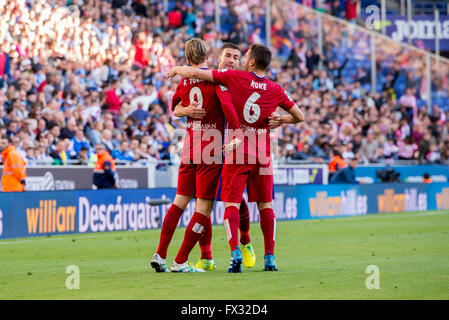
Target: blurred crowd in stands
75	73
343	117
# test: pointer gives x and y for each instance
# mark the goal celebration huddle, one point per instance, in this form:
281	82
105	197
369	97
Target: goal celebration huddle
227	148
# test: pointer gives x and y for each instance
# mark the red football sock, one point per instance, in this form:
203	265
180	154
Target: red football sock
244	223
231	223
168	229
205	242
194	230
268	226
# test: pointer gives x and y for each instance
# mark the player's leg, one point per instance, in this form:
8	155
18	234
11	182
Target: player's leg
231	223
208	180
244	223
206	262
194	231
234	182
268	226
185	192
260	189
248	255
171	220
205	242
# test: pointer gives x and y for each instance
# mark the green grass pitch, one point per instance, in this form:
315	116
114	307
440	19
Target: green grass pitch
318	259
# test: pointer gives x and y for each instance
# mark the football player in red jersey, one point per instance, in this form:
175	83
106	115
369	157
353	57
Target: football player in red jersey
201	163
229	57
255	98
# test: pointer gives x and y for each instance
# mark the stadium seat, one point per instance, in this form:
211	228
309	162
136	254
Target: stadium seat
367	87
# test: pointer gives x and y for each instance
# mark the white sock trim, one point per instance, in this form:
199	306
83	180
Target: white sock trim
228	229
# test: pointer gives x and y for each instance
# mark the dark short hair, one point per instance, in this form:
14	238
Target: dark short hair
229	45
7	137
261	55
53	125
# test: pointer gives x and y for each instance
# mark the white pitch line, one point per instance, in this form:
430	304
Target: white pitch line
103	235
428	213
17	241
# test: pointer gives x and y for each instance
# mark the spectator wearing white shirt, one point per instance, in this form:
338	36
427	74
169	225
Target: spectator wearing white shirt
347	153
404	129
433	155
106	140
407	149
41	154
149	96
390	149
408	101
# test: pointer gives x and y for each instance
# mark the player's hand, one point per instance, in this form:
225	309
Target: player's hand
233	145
173	71
194	112
274	120
179	70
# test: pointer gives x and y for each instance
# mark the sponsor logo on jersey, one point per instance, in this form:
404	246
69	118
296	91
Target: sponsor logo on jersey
196	126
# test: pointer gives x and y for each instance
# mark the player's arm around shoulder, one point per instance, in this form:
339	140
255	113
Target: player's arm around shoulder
228	77
191	72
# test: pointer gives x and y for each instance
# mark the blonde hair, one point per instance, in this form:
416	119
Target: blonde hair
196	51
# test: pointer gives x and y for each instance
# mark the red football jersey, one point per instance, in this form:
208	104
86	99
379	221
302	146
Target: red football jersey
204	137
254	99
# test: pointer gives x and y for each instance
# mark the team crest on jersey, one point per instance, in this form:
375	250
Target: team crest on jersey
223	88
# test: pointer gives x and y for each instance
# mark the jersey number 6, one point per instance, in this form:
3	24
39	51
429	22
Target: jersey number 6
251	111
